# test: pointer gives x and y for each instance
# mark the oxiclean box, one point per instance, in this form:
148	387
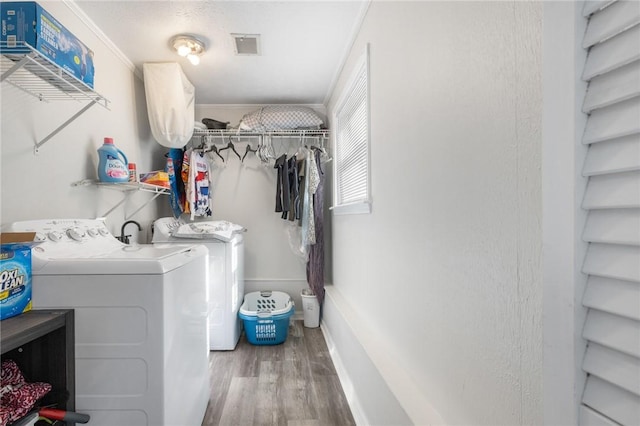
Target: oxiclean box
15	273
28	22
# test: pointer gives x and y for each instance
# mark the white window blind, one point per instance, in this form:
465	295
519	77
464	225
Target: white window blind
352	183
612	199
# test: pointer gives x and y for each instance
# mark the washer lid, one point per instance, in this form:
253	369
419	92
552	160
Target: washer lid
163	228
136	259
168	229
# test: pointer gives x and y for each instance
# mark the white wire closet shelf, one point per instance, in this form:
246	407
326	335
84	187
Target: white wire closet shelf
30	71
127	188
287	133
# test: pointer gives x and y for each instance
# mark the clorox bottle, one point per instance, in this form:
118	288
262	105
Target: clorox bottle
113	164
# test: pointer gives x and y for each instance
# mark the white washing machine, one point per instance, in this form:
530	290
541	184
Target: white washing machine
225	243
141	339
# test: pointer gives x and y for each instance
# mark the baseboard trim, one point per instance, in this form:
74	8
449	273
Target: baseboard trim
381	391
345	381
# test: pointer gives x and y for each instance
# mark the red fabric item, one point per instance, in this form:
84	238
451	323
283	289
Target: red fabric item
18	396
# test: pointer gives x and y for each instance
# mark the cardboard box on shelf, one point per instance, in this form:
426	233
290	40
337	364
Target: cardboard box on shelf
28	22
157	178
15	273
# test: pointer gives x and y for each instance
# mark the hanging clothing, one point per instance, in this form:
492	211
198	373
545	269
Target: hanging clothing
198	193
174	170
184	174
315	265
282	184
294	191
302	187
307	222
314	182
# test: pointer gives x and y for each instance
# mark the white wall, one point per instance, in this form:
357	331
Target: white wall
39	186
441	284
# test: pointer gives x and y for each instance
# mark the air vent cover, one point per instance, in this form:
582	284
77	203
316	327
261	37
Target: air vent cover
246	44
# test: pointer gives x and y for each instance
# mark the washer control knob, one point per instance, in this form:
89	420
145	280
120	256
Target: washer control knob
54	236
40	237
103	232
92	232
76	234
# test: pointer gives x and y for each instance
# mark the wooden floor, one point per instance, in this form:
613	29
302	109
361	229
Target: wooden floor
292	384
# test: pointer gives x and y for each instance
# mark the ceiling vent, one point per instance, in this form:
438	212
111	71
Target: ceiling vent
246	44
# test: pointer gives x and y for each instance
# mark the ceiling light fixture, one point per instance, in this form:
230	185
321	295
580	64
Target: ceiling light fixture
188	46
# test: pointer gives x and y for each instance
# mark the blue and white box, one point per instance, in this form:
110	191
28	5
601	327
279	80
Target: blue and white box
15	273
27	22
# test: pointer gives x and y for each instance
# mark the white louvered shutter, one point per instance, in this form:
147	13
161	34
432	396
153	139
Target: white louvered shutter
612	199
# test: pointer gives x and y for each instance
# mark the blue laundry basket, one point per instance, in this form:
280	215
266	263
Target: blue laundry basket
266	316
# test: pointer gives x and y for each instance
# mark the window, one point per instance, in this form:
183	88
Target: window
352	186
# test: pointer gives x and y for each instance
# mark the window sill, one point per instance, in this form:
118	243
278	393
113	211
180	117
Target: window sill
361	207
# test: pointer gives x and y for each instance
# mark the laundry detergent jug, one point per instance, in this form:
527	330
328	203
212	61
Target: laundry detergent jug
113	164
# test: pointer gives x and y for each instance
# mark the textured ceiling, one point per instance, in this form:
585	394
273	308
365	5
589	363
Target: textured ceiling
303	44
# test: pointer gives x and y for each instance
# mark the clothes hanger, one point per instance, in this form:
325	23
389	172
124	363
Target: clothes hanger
201	147
209	146
302	149
324	155
262	150
265	149
248	150
215	149
231	146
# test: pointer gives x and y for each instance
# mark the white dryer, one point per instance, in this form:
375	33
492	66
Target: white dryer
225	243
140	321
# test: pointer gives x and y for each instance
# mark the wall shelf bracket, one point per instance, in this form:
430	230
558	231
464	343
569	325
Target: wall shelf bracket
37	145
31	72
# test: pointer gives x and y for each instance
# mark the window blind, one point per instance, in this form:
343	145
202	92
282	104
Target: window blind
352	141
612	327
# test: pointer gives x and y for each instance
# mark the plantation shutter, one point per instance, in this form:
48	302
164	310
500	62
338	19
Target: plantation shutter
612	327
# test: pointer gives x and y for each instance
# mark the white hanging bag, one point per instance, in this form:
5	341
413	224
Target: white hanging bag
170	103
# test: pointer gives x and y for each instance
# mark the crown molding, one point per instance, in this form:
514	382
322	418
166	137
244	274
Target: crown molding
347	50
72	5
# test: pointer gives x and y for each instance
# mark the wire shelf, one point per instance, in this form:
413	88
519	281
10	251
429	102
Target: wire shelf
315	133
125	186
27	69
128	188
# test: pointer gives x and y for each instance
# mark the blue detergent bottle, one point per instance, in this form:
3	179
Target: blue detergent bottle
113	165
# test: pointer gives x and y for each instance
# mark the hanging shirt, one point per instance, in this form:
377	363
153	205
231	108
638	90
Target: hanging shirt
315	265
199	186
174	170
282	184
294	193
184	174
313	181
302	185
